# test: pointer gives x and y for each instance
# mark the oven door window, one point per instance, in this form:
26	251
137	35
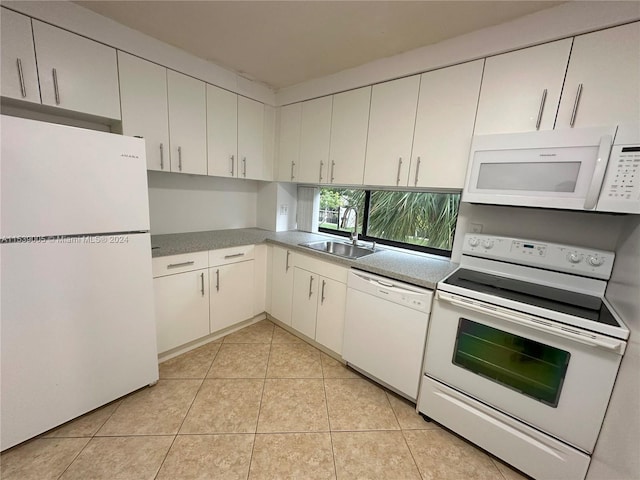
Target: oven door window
531	368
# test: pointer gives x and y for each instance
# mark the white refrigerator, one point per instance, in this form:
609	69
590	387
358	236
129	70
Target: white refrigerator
77	326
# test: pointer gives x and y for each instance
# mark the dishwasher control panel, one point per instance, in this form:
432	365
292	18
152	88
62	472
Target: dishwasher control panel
411	296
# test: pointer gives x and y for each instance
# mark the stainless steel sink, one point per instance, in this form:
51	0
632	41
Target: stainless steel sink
341	249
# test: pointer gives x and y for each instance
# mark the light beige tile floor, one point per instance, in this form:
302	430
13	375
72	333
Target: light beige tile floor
258	404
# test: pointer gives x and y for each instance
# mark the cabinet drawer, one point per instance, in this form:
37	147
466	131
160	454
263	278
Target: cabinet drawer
225	256
179	263
326	269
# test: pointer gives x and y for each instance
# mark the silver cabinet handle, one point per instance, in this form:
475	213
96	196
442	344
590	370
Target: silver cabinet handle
399	168
218	280
161	156
286	266
322	292
234	255
293	164
232	165
321	165
244	167
178	265
310	285
23	89
542	101
415	181
333	167
180	158
56	91
202	283
575	106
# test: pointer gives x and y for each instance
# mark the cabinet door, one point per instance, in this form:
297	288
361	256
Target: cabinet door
269	142
521	90
305	302
76	73
315	133
19	75
250	139
332	300
232	294
290	118
222	132
444	126
282	282
391	122
605	66
182	308
349	125
143	94
187	123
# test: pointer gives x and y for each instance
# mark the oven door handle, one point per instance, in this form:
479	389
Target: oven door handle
535	323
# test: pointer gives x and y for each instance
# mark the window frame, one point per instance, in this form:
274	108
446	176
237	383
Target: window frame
383	241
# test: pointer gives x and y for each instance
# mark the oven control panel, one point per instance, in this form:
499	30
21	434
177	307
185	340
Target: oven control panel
549	256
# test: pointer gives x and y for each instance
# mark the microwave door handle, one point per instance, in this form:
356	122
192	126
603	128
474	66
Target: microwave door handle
602	161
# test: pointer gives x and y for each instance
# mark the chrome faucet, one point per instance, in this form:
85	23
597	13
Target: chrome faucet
354	234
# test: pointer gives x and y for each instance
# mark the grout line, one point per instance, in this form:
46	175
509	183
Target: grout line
411	453
326	403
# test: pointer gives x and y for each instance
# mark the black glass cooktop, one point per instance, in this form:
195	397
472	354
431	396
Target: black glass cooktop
576	304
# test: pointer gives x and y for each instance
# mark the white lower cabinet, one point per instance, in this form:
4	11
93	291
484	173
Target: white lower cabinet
319	299
281	277
181	299
232	286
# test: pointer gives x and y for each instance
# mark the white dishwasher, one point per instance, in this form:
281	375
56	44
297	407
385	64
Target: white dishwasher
385	330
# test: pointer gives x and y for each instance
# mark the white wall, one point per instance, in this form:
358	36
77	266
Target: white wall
276	209
573	228
190	203
617	453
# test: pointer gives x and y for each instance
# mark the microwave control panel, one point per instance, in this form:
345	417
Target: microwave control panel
621	188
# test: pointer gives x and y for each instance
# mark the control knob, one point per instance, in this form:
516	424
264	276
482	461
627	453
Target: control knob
488	244
595	261
474	242
574	257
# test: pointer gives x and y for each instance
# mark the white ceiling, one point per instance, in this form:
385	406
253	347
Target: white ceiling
282	43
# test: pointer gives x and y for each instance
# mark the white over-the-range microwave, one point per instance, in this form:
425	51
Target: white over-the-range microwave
578	169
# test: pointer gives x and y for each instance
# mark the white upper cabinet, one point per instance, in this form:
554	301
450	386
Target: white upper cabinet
349	126
315	133
391	122
444	125
603	81
76	73
521	90
143	96
19	74
222	132
251	161
289	120
269	144
187	123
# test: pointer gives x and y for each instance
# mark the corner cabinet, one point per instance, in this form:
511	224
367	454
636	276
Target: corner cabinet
143	95
602	86
19	72
232	286
222	132
289	120
521	90
251	160
181	288
187	123
319	300
76	73
444	126
391	123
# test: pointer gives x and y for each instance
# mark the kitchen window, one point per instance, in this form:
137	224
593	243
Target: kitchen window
422	221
